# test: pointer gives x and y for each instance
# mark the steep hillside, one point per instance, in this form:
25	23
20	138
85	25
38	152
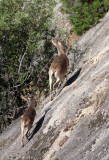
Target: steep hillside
75	125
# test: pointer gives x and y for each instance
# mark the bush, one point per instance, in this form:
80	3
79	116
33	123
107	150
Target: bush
25	50
85	14
67	5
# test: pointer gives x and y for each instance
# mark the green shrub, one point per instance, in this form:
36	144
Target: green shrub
67	5
25	49
85	15
86	1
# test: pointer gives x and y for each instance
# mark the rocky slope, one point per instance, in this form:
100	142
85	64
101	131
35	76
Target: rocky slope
75	125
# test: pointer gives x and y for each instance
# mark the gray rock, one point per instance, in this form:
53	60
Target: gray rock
75	125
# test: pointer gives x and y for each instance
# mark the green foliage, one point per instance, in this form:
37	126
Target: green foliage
85	14
106	4
67	5
86	1
25	47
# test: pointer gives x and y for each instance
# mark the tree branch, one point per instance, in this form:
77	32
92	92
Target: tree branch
27	77
22	59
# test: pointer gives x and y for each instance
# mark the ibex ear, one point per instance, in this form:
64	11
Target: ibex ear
54	41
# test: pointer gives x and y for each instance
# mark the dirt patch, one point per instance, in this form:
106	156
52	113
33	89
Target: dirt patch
61	143
43	143
9	140
98	121
70	125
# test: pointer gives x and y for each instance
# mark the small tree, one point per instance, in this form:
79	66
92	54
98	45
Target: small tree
25	49
83	14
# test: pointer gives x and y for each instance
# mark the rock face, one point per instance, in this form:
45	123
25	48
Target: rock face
75	125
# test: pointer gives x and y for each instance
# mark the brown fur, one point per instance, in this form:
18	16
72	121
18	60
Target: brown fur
59	65
28	118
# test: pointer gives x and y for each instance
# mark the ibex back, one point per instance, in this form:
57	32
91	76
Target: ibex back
28	118
59	65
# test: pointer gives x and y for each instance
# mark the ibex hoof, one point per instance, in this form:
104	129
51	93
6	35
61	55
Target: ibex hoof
27	136
22	145
51	98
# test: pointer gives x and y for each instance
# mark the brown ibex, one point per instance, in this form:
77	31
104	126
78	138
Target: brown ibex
59	65
28	117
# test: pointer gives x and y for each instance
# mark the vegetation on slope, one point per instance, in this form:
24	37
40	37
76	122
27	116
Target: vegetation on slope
25	52
83	14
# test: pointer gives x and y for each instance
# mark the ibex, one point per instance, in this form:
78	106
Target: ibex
59	65
28	118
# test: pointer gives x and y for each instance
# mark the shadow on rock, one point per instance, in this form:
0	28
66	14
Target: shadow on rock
70	80
73	78
38	125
